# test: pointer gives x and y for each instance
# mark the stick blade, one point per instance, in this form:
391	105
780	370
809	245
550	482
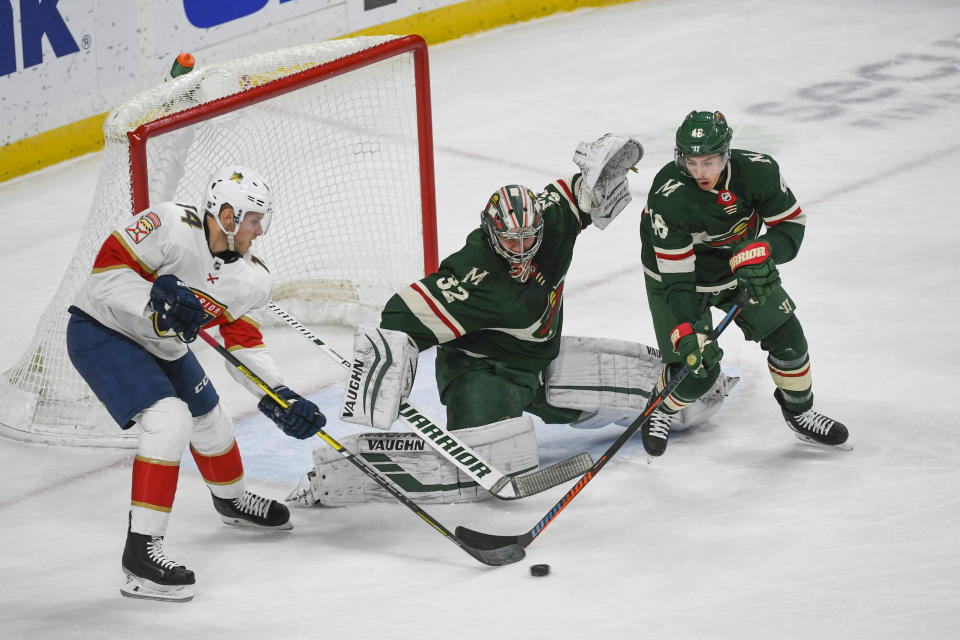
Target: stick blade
555	474
492	550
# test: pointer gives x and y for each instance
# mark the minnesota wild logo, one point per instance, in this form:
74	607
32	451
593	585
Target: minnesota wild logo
548	325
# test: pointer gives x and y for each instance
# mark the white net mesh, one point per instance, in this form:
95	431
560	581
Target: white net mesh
341	157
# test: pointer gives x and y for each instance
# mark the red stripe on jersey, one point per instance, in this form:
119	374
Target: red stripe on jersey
240	333
436	311
567	191
792	215
154	483
674	256
222	468
114	253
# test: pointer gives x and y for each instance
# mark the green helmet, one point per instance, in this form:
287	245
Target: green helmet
702	133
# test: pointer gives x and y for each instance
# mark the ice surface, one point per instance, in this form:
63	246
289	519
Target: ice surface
739	530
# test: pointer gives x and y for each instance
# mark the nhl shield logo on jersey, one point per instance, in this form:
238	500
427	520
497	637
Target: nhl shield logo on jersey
143	226
728	201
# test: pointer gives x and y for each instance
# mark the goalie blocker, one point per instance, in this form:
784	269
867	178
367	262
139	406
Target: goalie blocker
423	474
381	376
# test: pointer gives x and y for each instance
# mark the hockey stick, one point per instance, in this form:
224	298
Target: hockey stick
483	540
492	554
456	451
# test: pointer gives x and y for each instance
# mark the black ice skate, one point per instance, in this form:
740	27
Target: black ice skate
250	510
655	431
813	427
150	574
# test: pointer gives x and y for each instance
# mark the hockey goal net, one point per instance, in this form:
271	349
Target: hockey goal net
341	133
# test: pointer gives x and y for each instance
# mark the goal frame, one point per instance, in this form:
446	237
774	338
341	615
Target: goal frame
413	44
39	402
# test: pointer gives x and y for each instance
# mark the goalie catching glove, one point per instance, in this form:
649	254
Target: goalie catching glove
603	191
384	366
176	308
300	420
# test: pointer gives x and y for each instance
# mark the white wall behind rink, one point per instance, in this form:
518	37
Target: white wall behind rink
97	53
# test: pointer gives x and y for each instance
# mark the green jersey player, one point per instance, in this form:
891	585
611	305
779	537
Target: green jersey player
494	311
718	221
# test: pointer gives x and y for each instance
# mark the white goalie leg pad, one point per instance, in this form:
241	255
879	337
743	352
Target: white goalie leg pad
384	366
611	381
706	406
423	474
590	373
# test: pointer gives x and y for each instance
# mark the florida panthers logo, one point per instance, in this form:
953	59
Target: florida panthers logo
143	227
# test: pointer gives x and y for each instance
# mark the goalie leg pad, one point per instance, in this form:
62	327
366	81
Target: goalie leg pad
384	366
611	382
406	459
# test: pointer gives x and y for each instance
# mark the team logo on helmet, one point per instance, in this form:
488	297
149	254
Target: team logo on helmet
237	177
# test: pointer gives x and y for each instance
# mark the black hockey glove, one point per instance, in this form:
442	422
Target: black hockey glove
755	269
690	343
302	420
177	307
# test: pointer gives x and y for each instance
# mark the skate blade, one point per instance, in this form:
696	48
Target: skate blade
240	522
807	440
143	589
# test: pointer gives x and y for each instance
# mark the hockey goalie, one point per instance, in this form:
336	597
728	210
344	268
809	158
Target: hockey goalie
494	310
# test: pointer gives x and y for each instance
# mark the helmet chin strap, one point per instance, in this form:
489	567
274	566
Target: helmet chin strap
230	234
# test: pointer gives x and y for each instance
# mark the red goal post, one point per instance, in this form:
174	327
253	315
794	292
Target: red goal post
341	132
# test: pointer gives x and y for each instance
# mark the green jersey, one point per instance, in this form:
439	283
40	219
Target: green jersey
688	234
471	302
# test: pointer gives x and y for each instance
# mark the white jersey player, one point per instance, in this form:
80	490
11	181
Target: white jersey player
156	282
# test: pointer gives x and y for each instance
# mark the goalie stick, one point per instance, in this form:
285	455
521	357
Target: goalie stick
440	439
481	540
494	553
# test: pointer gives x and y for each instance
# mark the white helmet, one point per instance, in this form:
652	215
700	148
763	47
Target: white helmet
245	191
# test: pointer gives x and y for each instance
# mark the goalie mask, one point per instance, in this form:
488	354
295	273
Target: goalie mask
513	224
245	191
702	133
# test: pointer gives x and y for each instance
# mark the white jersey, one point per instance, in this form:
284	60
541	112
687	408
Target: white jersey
166	239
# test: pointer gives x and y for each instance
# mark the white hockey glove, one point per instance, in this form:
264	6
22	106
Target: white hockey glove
384	366
603	191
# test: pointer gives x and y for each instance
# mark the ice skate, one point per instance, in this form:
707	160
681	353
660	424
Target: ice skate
150	574
814	428
251	510
655	431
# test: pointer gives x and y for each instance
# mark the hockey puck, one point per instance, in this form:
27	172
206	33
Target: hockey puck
539	570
